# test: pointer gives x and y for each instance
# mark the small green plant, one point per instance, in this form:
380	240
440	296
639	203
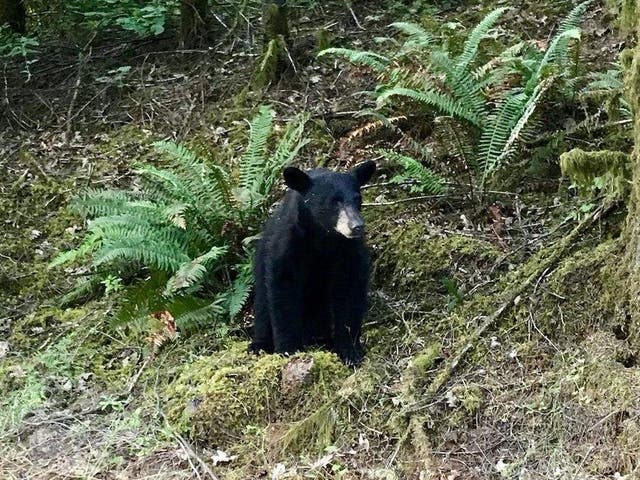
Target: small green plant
453	293
143	20
496	98
183	241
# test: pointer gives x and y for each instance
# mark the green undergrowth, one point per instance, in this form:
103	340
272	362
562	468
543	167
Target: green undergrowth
413	257
78	351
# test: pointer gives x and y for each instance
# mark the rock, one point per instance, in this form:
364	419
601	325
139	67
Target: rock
295	373
4	349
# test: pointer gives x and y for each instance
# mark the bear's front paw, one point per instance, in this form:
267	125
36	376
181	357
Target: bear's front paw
258	347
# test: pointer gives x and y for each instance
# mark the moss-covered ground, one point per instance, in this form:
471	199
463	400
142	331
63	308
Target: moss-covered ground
550	390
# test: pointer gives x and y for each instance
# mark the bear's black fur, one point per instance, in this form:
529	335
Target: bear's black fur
312	266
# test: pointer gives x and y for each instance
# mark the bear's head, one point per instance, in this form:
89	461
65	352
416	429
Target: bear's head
333	199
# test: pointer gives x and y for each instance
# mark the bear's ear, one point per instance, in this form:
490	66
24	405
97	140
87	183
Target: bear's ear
364	171
296	179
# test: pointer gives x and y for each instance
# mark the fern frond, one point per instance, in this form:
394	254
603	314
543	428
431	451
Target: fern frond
195	179
98	203
367	59
194	319
90	243
517	110
151	254
500	125
82	291
556	52
240	289
416	35
173	186
462	85
574	18
470	48
494	65
177	214
443	102
193	272
138	228
427	180
254	159
611	80
287	149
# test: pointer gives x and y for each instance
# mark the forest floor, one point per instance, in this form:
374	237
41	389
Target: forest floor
548	388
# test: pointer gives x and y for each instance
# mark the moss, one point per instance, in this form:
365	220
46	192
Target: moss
412	261
425	360
604	170
466	400
323	39
33	329
221	398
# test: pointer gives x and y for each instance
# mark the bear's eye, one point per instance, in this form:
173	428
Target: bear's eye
337	199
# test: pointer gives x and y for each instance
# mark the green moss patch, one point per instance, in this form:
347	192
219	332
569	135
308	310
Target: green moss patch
222	398
413	262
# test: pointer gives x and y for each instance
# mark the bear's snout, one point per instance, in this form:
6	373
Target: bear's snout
350	223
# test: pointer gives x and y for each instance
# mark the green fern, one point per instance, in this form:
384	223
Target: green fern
574	18
425	179
471	45
253	160
241	288
481	96
193	272
608	88
181	228
444	102
506	126
198	318
556	54
417	37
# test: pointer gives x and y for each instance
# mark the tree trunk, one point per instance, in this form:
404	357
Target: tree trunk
193	22
13	13
631	63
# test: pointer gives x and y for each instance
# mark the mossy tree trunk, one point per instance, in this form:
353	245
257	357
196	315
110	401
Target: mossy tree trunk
631	62
193	21
14	14
275	20
275	58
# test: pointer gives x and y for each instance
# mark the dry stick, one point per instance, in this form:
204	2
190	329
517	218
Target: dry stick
450	367
403	200
82	59
74	98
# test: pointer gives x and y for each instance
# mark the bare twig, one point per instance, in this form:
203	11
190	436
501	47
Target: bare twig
404	200
353	14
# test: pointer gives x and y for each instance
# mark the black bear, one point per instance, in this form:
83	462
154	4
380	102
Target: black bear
312	266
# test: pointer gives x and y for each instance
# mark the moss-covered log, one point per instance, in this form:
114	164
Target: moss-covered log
193	21
632	227
14	14
275	20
